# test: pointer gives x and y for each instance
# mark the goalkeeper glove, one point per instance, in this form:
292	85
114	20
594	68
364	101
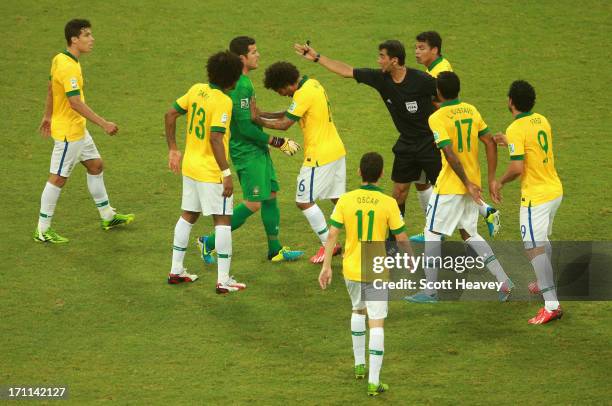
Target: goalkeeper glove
286	145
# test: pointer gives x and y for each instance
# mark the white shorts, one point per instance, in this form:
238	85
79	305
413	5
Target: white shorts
321	182
445	213
66	154
537	222
206	198
377	309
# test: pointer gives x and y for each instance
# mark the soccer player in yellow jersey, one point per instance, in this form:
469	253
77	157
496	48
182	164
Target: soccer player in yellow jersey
65	119
207	179
530	143
383	214
323	173
457	128
428	52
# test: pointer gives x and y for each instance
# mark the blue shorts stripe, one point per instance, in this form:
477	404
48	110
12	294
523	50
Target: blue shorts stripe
530	225
433	213
224	200
312	184
59	171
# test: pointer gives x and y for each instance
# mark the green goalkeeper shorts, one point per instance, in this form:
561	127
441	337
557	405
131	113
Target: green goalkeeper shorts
258	179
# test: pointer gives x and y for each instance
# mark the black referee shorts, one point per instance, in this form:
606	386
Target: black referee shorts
412	159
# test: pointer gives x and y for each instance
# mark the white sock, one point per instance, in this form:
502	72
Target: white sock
483	209
548	249
223	245
424	198
546	282
316	218
358	332
48	201
482	248
377	350
179	246
95	184
433	251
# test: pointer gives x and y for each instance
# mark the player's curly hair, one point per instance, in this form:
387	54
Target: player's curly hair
523	95
280	75
224	69
371	167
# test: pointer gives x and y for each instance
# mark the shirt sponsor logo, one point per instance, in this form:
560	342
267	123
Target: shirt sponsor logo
511	148
224	118
74	84
292	107
244	103
412	107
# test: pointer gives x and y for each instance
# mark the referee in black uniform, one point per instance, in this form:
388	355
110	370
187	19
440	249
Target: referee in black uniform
408	95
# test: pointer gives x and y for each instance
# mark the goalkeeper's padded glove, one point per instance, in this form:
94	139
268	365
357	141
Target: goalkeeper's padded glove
288	146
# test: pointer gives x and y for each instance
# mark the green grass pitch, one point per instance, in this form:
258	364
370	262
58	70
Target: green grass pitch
97	314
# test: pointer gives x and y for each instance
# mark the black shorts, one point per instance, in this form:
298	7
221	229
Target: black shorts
412	159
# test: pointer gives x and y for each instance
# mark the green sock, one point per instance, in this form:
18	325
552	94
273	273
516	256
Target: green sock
270	215
241	214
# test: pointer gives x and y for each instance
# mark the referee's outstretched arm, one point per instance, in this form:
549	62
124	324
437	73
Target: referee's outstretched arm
331	65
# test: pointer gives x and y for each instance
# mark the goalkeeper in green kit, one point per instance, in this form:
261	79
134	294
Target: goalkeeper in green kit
249	150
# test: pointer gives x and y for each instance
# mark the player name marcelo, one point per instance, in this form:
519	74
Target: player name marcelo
457	284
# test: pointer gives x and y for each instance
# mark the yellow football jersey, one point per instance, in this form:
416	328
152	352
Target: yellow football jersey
66	81
208	109
367	214
310	106
460	125
439	65
530	139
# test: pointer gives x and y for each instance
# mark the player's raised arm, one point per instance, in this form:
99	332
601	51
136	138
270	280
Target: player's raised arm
282	123
331	65
174	155
45	124
255	112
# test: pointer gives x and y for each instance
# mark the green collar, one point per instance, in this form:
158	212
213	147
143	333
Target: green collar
304	79
67	53
369	186
521	115
450	103
434	63
213	86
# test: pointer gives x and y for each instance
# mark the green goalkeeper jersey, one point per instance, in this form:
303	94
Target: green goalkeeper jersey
247	141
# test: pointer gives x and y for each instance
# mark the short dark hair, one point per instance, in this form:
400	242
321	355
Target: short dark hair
240	45
395	49
224	69
523	95
448	85
280	75
371	167
432	38
73	28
